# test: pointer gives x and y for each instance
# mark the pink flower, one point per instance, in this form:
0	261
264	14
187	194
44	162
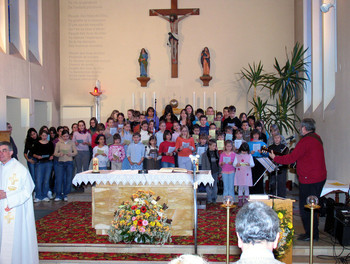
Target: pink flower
132	229
145	222
133	218
142	229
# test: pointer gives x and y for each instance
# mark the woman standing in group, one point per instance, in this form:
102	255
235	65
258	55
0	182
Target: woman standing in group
152	116
190	112
43	151
65	150
185	119
185	147
82	141
93	125
31	140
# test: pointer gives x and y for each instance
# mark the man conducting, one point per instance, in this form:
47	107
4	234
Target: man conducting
311	171
257	227
18	242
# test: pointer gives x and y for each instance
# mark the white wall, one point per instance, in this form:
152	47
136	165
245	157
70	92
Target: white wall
236	32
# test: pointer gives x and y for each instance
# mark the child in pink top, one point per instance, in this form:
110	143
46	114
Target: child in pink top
116	153
228	171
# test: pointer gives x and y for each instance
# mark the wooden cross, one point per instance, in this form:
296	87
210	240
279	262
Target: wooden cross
171	15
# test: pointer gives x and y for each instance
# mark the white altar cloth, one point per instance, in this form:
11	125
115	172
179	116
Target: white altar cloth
132	177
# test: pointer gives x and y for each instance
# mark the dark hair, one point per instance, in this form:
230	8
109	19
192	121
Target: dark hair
203	116
137	134
166	132
245	121
98	137
29	132
219	113
239	131
148	109
109	118
232	108
121	114
196	126
199	111
144	122
100	127
43	128
211	141
150	138
8	144
53	130
251	117
136	114
74	124
65	132
255	131
93	119
244	147
203	136
258	124
212	124
116	136
241	115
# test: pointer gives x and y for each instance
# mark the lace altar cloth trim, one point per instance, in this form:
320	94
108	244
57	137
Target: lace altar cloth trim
131	177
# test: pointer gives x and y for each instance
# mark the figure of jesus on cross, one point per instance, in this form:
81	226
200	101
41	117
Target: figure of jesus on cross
174	16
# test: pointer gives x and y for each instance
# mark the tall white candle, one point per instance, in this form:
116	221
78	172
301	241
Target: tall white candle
214	101
204	101
154	98
194	101
133	100
144	101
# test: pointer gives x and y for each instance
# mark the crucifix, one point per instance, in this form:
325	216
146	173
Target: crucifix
174	16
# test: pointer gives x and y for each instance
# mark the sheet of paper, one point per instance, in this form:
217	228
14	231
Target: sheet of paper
185	145
231	124
220	144
238	143
256	147
171	149
212	133
210	118
100	152
228	137
64	151
200	150
218	124
226	159
195	137
113	130
126	142
45	156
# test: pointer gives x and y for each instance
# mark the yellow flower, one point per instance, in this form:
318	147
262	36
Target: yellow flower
280	215
134	223
152	223
159	224
290	225
138	211
147	215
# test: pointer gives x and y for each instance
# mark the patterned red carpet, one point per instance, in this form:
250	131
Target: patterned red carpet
72	224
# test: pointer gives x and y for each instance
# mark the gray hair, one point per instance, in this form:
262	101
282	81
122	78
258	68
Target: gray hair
257	222
8	144
309	124
188	259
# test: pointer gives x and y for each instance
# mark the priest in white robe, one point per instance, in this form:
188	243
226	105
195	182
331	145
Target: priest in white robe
17	224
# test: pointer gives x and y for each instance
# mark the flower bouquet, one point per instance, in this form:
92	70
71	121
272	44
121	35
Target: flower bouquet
286	234
142	220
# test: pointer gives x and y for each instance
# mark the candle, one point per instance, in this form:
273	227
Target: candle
214	101
204	101
154	99
144	102
133	100
194	100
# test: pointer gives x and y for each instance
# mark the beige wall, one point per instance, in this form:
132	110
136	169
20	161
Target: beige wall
331	123
236	32
20	78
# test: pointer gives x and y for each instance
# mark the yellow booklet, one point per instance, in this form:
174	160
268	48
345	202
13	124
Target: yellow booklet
210	118
218	124
220	144
195	138
212	133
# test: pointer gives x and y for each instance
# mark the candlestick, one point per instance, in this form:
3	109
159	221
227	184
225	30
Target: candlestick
204	101
194	101
144	102
154	99
133	101
214	101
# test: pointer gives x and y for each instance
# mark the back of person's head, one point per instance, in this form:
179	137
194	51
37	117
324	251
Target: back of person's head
256	222
199	111
188	259
309	124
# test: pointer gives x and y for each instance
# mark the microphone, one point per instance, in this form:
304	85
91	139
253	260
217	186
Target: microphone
290	138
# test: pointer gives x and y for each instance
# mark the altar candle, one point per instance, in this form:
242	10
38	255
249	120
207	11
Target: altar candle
144	102
133	100
194	100
204	101
214	101
154	99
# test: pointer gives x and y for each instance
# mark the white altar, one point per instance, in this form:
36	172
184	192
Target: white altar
114	187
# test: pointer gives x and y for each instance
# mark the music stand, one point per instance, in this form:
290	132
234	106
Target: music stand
267	164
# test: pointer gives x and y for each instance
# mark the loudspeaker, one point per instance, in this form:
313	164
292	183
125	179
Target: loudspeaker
342	226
